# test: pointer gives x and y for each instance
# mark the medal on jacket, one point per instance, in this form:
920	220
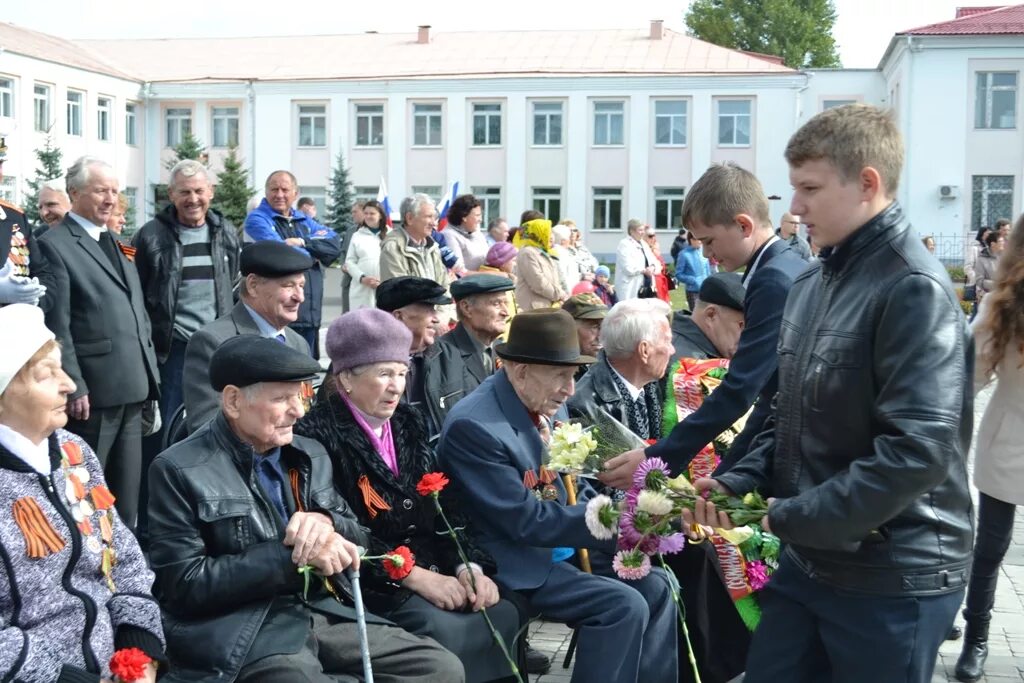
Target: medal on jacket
18	256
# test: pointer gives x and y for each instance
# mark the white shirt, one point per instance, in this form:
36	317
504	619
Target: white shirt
634	393
36	456
753	266
94	230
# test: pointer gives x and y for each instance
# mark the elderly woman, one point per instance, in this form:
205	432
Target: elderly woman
362	261
539	284
463	233
76	586
379	451
635	264
118	217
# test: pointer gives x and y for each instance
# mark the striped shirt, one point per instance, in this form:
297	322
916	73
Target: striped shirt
197	296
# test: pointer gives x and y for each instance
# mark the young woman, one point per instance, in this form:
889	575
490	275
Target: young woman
363	258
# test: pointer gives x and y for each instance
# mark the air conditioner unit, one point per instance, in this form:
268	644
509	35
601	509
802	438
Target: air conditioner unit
949	191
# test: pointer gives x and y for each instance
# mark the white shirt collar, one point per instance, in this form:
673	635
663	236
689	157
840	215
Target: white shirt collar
36	456
94	230
634	393
745	280
266	329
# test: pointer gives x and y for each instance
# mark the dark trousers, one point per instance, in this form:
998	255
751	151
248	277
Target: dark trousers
811	632
312	337
331	654
995	530
171	398
115	434
691	299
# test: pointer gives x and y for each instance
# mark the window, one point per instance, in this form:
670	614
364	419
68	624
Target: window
670	122
130	121
733	123
996	100
668	208
487	124
318	194
369	125
130	216
41	107
490	202
365	192
179	124
6	97
74	112
548	200
9	189
103	113
832	104
608	123
547	123
432	191
225	126
426	125
607	208
312	125
991	199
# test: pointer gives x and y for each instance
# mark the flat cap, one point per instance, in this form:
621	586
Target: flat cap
585	306
248	359
484	283
724	289
269	258
401	291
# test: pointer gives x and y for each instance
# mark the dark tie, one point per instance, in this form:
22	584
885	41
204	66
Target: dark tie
110	248
281	338
271	481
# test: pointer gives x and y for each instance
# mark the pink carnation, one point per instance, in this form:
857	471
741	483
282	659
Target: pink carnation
631	565
757	575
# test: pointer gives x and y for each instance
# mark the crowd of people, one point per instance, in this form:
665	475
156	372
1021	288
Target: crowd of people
179	464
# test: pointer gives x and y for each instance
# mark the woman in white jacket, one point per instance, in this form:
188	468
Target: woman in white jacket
363	258
635	263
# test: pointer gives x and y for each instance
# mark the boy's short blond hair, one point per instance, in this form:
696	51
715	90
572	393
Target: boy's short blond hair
723	192
851	138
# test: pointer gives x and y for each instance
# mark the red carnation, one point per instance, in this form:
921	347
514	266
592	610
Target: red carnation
432	483
129	664
399	563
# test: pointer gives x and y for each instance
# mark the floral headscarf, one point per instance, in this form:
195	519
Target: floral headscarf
535	233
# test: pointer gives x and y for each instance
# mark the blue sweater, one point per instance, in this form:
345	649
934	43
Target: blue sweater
692	268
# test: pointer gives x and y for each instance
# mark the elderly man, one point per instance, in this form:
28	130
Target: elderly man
497	231
275	219
589	312
713	329
492	442
463	358
21	262
409	249
789	230
271	295
99	317
236	510
53	204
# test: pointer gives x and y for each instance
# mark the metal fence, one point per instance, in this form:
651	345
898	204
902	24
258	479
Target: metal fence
952	249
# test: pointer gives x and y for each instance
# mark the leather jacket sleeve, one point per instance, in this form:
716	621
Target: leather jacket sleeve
919	368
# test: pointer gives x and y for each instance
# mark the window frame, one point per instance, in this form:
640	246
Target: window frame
182	125
987	115
736	117
7	100
428	116
75	107
672	195
365	192
547	116
486	115
541	197
609	115
312	117
131	122
606	195
489	197
227	118
371	118
985	195
685	116
46	99
318	193
104	117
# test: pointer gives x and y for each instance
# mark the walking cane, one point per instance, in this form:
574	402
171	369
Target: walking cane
364	645
570	499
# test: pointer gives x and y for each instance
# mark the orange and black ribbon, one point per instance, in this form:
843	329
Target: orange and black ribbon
41	539
371	499
293	477
128	251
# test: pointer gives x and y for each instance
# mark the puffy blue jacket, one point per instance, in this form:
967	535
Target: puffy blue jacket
692	268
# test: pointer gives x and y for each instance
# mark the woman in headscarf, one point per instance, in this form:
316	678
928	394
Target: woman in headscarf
539	284
76	586
379	450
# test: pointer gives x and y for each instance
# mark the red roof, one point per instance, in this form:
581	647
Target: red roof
998	21
962	12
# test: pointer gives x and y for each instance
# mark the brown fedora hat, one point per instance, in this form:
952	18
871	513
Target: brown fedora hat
544	336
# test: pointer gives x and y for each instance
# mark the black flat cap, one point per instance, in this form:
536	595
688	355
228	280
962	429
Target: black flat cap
724	289
247	359
269	258
483	283
401	291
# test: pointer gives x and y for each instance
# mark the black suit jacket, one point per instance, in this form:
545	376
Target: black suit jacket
11	217
452	368
99	317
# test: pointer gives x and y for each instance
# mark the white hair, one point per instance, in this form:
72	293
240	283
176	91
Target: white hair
78	174
55	185
630	322
413	203
188	168
560	233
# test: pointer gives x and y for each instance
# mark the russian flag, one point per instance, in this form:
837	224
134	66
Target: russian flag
382	197
445	204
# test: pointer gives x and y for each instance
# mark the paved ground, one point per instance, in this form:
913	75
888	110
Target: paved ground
1006	644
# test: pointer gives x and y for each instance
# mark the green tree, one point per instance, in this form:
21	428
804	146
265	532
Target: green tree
50	168
233	191
798	31
340	197
189	148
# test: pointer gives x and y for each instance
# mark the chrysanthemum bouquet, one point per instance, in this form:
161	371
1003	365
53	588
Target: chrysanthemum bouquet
582	450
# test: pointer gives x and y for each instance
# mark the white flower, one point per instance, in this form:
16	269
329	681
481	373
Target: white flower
570	447
653	503
593	517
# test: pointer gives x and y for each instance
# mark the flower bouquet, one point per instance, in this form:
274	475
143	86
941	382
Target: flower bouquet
581	450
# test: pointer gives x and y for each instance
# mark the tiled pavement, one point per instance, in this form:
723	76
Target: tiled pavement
1006	639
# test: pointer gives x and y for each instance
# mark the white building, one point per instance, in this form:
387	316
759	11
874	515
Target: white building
599	126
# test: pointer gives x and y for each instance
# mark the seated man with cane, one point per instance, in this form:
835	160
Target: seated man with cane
235	511
492	445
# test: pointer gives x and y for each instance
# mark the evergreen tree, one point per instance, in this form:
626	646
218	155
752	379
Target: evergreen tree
188	148
799	31
340	198
49	158
233	191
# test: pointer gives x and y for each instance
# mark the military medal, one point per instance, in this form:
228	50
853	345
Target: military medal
18	256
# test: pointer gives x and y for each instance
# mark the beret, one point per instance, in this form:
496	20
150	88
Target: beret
484	283
585	306
723	289
401	291
248	359
365	336
501	253
269	258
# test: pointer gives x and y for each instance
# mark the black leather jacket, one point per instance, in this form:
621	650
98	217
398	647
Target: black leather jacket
158	257
217	546
872	422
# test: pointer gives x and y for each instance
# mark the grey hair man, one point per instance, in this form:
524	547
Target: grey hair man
99	317
789	230
53	204
409	249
